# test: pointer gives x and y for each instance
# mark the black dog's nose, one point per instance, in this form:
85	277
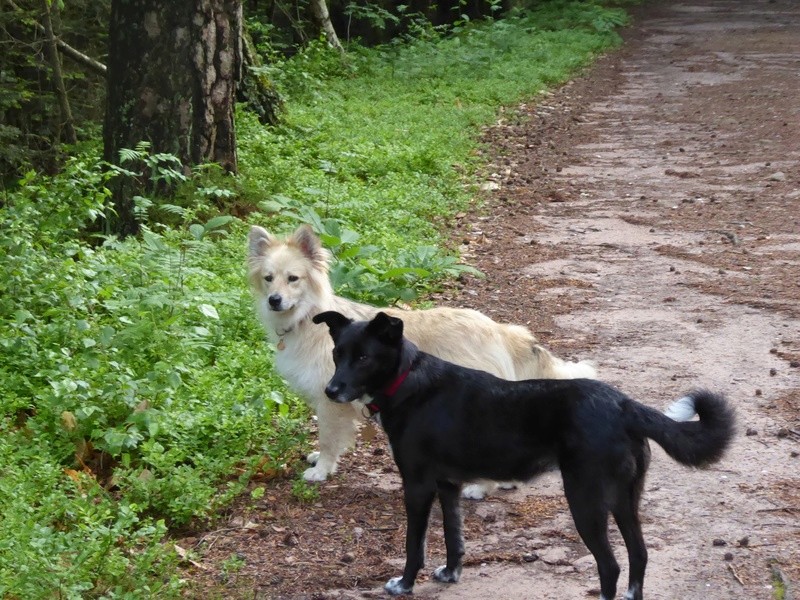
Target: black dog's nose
332	390
275	300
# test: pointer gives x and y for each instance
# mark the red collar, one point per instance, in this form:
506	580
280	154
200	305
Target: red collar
389	390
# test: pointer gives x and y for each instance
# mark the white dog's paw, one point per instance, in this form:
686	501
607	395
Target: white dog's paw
446	575
316	473
395	586
474	491
508	485
312	458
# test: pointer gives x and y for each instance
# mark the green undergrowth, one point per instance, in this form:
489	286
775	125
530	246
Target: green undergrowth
137	391
385	140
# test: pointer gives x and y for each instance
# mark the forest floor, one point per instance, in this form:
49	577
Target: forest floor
645	216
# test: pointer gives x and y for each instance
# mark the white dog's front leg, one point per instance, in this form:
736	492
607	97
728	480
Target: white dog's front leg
337	433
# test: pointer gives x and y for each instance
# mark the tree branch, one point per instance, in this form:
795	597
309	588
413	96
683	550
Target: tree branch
58	78
67	50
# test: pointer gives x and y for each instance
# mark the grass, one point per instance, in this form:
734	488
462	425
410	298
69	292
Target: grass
384	140
137	391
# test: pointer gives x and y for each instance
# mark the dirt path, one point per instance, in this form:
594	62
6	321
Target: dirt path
647	217
668	228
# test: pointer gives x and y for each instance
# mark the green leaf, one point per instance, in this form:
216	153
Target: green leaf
107	335
217	222
400	271
209	311
197	231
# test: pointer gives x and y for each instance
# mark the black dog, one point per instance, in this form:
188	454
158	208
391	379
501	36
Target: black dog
447	425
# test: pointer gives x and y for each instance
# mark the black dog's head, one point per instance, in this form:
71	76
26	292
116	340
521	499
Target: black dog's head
366	354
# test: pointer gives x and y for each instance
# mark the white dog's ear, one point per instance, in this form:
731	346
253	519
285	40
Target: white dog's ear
258	240
308	242
310	245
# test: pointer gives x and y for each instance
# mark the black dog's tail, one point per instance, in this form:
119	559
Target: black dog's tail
694	443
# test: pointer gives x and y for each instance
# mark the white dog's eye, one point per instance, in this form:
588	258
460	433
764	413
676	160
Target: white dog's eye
268	278
292	278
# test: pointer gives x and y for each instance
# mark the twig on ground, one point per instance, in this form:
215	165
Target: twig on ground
735	574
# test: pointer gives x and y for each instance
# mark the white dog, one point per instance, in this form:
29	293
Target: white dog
290	282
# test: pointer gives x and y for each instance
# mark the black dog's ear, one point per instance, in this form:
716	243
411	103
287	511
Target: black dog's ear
387	329
334	320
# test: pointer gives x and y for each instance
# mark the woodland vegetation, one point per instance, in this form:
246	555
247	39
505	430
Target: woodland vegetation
137	143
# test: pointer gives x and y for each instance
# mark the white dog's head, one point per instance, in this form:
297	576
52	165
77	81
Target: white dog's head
289	277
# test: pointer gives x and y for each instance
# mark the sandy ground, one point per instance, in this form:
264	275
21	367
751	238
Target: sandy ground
645	216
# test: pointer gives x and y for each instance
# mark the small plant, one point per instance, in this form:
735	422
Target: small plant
304	492
780	588
233	564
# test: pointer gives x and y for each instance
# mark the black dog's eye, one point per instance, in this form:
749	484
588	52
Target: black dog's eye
268	278
362	357
293	278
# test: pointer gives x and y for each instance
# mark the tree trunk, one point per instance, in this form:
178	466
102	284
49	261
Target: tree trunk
51	50
255	89
324	19
173	69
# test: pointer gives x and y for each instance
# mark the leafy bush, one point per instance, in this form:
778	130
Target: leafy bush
134	382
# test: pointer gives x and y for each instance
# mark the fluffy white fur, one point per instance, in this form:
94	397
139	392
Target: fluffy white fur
682	409
289	279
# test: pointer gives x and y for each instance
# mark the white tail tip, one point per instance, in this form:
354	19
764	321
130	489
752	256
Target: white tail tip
682	409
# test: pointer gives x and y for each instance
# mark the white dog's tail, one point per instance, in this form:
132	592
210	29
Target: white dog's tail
553	367
532	361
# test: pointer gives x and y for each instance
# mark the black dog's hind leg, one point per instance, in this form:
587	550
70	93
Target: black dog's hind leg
626	513
418	500
587	504
449	494
631	529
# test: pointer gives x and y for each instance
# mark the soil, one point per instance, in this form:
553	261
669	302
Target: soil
646	216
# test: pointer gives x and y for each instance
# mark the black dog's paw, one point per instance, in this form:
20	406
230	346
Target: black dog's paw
396	587
446	575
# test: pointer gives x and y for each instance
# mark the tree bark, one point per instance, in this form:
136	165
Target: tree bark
255	89
173	69
51	50
324	18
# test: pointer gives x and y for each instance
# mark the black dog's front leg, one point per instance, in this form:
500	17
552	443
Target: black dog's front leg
418	499
449	497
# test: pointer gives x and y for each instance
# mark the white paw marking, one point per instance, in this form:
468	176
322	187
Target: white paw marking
312	458
446	576
632	591
395	588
